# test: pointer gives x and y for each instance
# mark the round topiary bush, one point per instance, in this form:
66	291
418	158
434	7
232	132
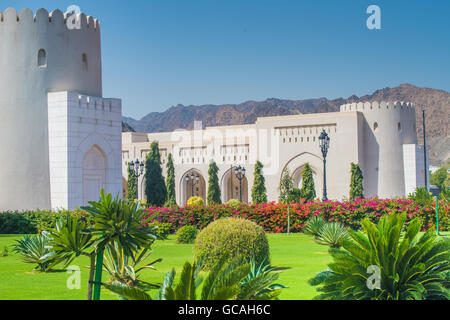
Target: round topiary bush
186	234
234	203
195	202
234	236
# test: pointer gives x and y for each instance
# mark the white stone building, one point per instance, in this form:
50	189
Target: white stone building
379	136
60	140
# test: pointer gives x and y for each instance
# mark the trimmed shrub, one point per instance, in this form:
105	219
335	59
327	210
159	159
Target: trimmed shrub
162	230
187	234
195	202
237	237
234	203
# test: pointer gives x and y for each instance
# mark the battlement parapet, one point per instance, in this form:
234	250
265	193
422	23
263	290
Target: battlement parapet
11	18
376	106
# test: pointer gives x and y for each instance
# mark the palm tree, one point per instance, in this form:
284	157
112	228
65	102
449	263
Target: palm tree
411	266
115	223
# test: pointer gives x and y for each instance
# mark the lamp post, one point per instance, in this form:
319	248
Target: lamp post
192	180
239	172
138	169
324	142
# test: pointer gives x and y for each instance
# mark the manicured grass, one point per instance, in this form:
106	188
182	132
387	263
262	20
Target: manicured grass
297	252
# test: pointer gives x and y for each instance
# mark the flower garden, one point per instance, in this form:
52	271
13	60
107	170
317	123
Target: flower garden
169	242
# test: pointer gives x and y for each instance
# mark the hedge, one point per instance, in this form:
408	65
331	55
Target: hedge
273	216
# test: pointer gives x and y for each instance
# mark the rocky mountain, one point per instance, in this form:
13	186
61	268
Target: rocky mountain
435	102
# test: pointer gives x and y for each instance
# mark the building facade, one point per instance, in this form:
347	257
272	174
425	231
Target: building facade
61	141
379	136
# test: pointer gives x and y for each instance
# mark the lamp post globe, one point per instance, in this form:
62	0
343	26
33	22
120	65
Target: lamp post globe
324	143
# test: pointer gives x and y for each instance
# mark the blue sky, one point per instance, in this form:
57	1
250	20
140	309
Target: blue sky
161	53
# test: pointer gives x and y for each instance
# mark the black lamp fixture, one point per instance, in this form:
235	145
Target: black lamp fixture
324	143
192	180
239	172
137	168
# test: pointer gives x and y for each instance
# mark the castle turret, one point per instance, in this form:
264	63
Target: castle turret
38	55
388	127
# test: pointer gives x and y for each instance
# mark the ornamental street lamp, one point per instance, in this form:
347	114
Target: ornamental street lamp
192	180
324	143
137	168
239	172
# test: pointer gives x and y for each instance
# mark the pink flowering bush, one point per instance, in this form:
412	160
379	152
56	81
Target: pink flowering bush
273	216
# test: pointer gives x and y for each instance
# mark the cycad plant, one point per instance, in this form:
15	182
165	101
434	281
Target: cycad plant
122	269
382	263
228	280
33	249
314	225
332	234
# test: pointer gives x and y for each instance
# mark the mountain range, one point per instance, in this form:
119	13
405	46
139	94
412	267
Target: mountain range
435	102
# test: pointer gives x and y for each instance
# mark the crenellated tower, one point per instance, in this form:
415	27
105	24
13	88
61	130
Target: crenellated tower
388	129
39	55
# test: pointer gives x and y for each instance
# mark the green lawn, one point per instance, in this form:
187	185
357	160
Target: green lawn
298	252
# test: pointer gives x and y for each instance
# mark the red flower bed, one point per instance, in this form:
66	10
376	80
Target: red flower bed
273	216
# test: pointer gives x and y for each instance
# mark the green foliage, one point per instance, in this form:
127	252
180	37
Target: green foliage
286	184
438	178
445	194
170	183
122	269
67	240
195	202
155	187
259	192
33	249
295	195
5	252
131	184
356	182
235	203
332	234
260	283
213	185
240	238
160	229
308	190
314	225
422	196
119	221
228	280
186	234
412	267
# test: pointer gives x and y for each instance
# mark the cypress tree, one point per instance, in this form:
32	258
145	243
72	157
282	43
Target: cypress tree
356	182
155	188
213	185
286	185
131	185
259	194
170	182
308	190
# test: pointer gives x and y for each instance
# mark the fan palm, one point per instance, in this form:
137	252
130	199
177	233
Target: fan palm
410	267
33	249
314	225
332	234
